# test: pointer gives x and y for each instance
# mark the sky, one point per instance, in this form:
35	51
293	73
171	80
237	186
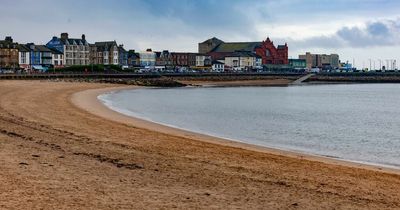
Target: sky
357	30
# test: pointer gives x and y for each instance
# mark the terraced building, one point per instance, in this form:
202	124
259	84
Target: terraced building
8	54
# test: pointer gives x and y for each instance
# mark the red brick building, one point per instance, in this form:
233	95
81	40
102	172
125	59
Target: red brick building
184	59
270	54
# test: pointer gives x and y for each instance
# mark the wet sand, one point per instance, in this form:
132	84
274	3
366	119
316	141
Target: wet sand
236	83
63	150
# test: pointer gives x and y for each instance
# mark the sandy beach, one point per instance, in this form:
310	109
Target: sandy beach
235	83
60	148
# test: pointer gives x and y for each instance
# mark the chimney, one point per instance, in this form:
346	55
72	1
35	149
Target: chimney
9	39
64	36
31	46
83	37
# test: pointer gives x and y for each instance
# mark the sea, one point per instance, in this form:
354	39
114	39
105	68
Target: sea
353	122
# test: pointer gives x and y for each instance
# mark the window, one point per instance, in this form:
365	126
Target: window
267	53
235	63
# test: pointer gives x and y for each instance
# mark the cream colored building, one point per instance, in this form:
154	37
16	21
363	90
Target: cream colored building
75	51
203	60
320	60
241	61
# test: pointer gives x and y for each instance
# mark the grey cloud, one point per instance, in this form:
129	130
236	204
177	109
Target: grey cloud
378	33
378	29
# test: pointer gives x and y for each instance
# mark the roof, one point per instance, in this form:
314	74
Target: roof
75	41
37	48
183	53
7	44
281	46
42	48
23	48
237	46
242	54
216	62
54	51
201	54
122	49
214	40
133	54
105	46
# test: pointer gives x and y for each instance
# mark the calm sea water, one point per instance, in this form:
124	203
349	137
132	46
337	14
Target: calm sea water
360	123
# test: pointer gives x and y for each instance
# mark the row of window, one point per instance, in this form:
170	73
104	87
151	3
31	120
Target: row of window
8	52
75	48
76	62
77	55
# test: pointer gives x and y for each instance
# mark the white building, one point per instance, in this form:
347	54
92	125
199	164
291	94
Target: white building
147	58
203	60
243	61
24	57
218	66
75	51
58	59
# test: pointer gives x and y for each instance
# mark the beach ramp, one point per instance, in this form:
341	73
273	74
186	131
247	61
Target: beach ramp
302	79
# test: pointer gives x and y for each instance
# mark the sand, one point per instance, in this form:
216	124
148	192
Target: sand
235	83
61	149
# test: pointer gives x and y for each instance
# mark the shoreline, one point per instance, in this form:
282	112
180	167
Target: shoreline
88	100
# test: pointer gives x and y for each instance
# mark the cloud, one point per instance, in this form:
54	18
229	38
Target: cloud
372	34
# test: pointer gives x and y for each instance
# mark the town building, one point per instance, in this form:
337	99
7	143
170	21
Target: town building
58	58
122	56
209	45
133	59
40	55
164	58
24	57
298	63
269	54
184	59
75	51
147	59
203	60
94	57
9	56
321	61
105	53
243	61
218	66
35	57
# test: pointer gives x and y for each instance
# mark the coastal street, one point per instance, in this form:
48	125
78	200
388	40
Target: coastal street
54	155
